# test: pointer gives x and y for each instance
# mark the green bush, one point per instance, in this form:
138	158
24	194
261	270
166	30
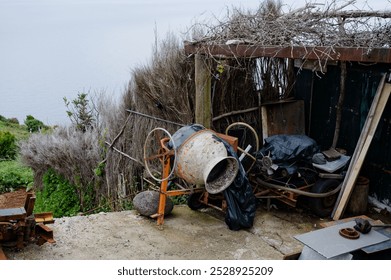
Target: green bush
8	147
58	196
34	125
14	176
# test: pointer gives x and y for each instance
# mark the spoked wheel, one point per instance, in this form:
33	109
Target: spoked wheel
246	135
323	207
158	147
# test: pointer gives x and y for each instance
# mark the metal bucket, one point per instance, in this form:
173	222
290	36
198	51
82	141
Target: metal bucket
203	159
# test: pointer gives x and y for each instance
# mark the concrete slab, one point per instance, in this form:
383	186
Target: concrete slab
187	234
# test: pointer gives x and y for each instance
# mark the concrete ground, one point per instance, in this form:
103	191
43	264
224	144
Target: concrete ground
186	235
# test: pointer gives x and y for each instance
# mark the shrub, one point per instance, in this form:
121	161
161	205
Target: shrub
13	176
8	146
69	152
13	120
34	125
58	196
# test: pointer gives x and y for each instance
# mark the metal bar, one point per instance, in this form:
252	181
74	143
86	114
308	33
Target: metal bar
30	205
154	118
27	201
183	192
45	218
163	191
44	233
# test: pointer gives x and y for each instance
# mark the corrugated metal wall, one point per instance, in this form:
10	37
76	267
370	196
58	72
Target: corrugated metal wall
321	92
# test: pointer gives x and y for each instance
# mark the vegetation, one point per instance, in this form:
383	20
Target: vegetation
12	126
80	112
8	146
34	125
14	175
57	196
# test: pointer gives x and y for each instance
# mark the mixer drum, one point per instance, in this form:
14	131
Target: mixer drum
202	158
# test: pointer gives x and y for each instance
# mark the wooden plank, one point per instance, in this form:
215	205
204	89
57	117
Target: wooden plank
351	177
382	55
333	223
361	140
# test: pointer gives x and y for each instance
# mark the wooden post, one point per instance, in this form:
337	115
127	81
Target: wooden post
340	103
203	96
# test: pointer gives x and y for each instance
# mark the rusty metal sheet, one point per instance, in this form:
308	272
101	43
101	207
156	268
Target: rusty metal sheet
2	255
283	118
12	214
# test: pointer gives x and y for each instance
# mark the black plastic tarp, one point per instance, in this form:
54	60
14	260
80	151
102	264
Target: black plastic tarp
288	148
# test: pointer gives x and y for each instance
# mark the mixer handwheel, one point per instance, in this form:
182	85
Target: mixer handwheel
158	147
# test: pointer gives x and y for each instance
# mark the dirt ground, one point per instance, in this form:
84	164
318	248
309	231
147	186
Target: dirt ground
186	234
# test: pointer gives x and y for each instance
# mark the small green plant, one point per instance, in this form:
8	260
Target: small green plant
58	196
34	125
100	169
80	112
8	147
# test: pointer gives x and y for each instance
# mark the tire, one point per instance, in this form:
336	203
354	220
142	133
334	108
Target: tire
323	207
194	202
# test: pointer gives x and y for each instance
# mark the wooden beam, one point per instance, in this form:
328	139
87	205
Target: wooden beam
370	55
203	96
369	130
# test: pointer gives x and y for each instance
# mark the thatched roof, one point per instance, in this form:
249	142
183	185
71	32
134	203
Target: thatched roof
315	31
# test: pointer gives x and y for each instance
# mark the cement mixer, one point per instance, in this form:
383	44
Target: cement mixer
196	155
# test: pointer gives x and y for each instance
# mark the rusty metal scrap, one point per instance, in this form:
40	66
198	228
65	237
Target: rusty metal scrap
19	226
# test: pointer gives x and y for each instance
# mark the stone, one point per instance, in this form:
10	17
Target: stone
147	203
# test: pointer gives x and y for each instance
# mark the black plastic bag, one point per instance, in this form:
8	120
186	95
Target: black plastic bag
241	201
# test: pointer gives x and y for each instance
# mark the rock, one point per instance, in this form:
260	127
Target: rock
147	203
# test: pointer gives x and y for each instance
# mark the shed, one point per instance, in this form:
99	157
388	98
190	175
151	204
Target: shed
337	83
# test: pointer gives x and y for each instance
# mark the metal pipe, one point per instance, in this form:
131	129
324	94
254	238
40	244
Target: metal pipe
154	118
296	191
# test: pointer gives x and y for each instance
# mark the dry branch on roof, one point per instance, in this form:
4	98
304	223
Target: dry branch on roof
331	25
